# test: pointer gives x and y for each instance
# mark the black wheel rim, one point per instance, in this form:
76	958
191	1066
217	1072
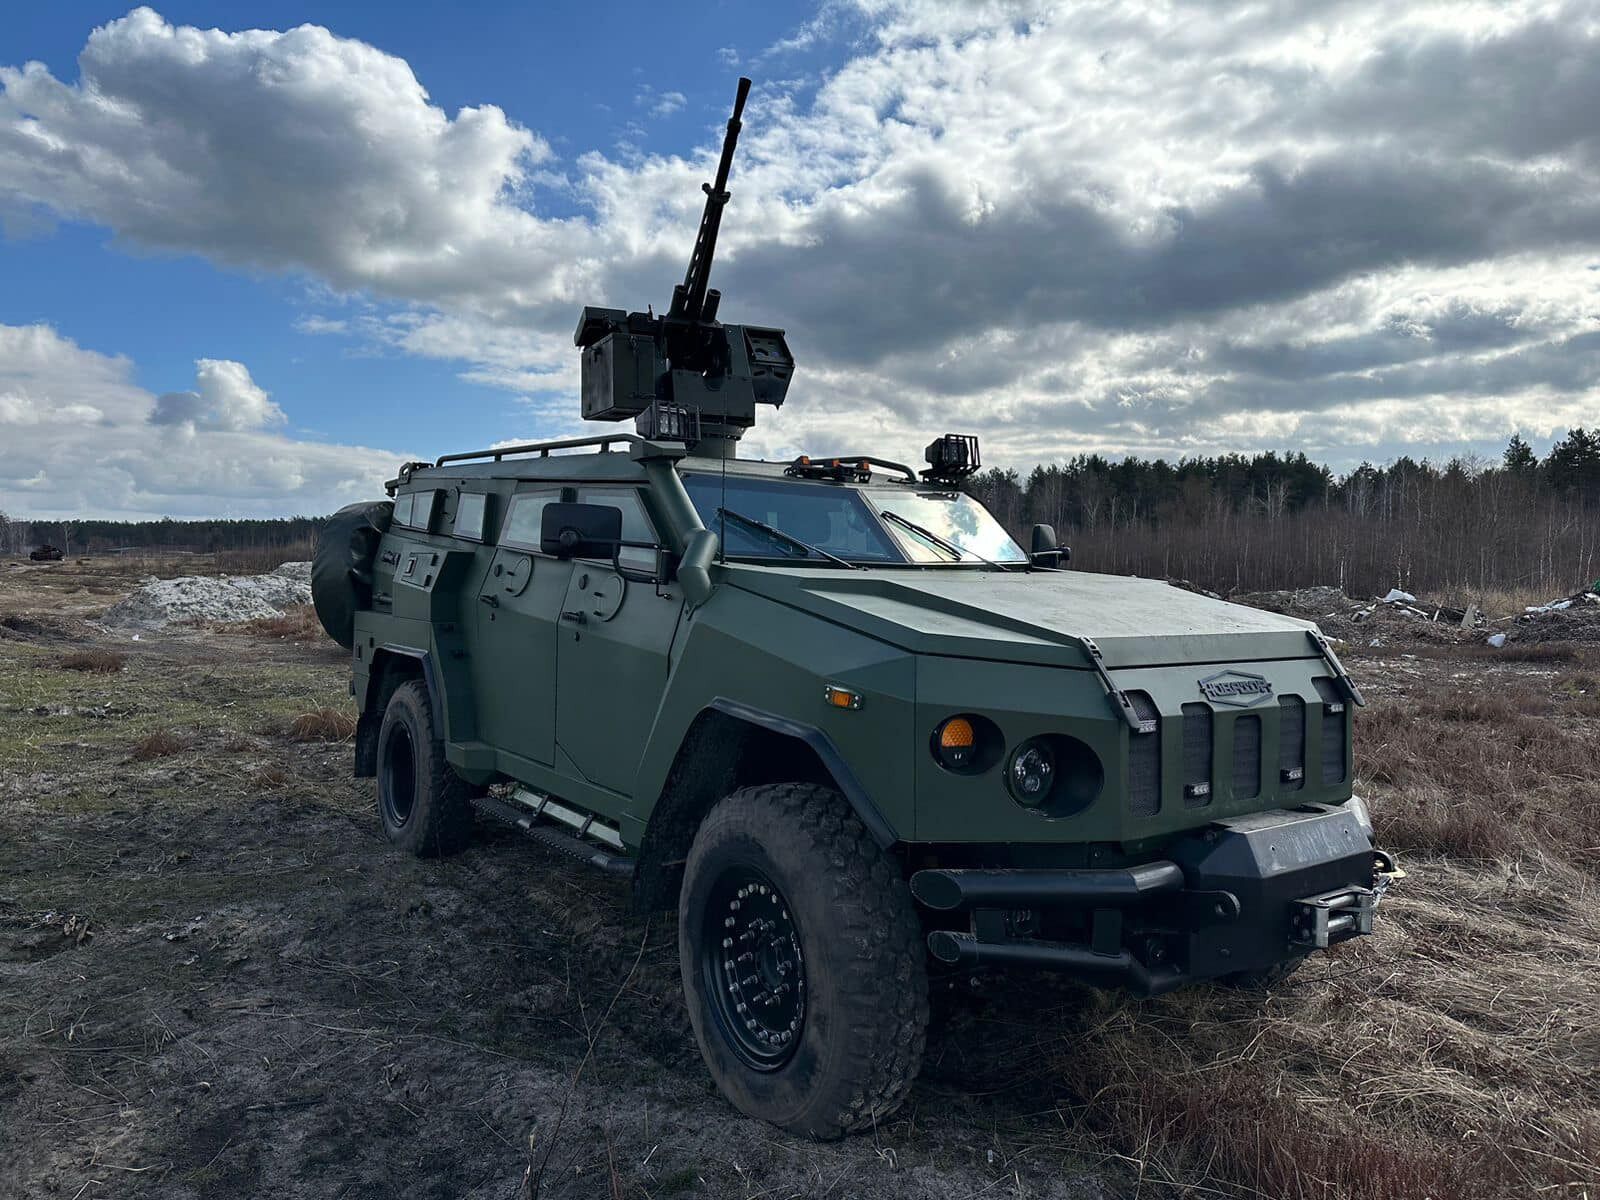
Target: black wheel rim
397	779
753	968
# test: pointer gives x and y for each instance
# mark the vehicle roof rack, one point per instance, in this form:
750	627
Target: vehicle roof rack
542	449
848	460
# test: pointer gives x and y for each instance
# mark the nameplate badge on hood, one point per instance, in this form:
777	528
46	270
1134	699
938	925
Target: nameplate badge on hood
1237	688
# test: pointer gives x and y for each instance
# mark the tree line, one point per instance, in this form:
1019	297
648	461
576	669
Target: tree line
1272	520
18	535
1232	522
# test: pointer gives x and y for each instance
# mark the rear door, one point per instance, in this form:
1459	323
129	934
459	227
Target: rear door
613	650
519	604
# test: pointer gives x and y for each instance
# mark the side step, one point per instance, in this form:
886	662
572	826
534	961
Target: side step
531	823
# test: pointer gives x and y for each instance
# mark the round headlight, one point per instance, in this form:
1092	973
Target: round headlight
1054	775
1031	773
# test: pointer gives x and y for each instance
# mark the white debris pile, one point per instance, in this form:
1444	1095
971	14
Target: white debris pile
222	599
1578	599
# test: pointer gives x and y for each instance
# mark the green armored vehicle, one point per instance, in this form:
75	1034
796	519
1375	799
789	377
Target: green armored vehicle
834	715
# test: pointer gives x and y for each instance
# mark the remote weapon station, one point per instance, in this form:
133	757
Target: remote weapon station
833	714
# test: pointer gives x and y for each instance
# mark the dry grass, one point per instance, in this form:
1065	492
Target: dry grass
298	624
260	560
99	661
160	744
323	725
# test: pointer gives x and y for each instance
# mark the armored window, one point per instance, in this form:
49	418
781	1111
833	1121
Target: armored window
636	526
824	515
470	508
402	508
525	517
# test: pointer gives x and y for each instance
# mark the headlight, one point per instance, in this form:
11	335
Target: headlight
1031	774
1055	775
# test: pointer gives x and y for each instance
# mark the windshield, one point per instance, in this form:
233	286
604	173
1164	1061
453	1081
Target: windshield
951	517
829	517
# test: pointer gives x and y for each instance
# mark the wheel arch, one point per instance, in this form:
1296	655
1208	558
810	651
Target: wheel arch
730	745
392	665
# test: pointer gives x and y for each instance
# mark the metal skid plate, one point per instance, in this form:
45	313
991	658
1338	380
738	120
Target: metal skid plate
1321	921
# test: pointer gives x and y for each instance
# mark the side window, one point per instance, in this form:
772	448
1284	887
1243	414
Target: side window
423	509
470	508
636	525
415	510
524	518
402	508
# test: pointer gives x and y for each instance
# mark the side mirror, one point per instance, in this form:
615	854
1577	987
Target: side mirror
694	568
580	530
1045	552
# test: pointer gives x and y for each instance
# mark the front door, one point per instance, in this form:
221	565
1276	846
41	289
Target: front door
519	604
613	651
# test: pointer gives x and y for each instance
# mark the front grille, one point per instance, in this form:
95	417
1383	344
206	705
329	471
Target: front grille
1246	757
1196	755
1144	760
1334	715
1291	743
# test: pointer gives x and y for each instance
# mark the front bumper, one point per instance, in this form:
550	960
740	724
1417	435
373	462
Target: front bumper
1241	894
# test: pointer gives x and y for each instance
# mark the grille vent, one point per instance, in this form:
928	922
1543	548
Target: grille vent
1196	755
1334	715
1291	743
1144	760
1246	757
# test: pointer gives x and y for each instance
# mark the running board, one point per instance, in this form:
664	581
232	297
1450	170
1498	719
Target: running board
529	820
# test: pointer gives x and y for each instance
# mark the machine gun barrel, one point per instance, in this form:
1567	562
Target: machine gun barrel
689	297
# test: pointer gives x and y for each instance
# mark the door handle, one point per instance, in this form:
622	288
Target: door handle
491	601
576	616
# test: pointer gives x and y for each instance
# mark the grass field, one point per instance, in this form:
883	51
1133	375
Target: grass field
217	979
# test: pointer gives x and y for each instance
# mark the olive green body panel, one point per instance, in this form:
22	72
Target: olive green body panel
1026	702
581	680
1037	616
745	649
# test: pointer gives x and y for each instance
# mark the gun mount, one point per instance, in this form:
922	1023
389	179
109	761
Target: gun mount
684	375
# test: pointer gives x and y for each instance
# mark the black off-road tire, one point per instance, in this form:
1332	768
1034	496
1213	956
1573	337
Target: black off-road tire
845	905
423	804
341	567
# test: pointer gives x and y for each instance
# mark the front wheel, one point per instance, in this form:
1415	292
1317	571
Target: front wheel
802	959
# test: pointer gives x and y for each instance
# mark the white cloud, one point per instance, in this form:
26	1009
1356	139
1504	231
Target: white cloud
81	439
1123	225
225	398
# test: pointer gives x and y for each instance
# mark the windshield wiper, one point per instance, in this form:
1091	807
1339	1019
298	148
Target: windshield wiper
930	536
772	531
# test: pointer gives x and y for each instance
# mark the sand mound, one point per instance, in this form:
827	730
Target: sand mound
224	600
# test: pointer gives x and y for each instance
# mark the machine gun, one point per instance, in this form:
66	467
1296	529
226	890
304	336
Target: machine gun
685	375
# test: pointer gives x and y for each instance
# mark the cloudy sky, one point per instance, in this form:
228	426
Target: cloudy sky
248	270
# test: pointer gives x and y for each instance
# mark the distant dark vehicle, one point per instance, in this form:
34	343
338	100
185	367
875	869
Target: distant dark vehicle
46	554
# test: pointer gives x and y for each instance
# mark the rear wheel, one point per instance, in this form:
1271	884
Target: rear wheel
802	960
422	803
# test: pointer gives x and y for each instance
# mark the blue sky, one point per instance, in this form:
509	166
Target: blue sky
579	80
248	266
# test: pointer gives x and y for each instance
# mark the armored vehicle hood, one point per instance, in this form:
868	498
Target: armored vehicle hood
1035	616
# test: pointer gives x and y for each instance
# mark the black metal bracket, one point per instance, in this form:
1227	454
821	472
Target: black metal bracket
1119	698
1337	667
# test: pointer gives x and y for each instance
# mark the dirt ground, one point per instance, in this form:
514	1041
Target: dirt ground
218	980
